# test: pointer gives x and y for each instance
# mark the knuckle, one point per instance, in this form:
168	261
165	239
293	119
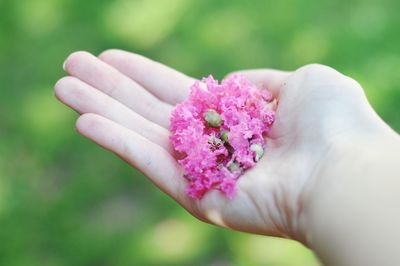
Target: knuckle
149	108
316	74
126	149
315	69
353	85
319	77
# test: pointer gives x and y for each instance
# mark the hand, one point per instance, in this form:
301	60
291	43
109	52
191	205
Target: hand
125	101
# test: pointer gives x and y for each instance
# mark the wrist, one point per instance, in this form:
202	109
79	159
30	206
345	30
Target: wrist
348	196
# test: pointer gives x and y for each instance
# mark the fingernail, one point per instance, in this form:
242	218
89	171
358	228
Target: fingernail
64	65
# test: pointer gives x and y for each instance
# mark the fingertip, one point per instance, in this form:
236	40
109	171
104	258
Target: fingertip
60	87
86	122
109	54
74	60
118	59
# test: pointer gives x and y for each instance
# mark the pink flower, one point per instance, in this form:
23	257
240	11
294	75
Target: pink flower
221	129
228	187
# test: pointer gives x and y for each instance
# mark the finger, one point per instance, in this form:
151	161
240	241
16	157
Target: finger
146	156
104	77
83	98
166	83
270	79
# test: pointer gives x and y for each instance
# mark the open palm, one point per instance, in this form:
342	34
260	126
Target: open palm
126	100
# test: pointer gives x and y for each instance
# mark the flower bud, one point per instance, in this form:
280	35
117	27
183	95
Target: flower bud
259	151
233	167
213	118
224	136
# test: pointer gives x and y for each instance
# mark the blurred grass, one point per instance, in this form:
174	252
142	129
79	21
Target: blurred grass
64	201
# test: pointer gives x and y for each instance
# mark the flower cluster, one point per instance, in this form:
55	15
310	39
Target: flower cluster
220	130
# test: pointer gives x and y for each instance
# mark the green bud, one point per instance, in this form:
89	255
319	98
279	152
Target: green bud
258	149
213	118
233	167
224	136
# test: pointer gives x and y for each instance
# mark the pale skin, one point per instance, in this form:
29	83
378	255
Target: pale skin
327	150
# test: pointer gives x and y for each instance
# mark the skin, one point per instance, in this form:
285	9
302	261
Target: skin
308	178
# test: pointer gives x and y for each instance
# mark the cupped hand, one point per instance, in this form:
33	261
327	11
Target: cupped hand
125	101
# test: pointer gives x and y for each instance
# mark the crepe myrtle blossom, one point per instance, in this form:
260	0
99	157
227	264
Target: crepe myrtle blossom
220	130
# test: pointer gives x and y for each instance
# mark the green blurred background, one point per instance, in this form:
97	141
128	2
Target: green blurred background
64	201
